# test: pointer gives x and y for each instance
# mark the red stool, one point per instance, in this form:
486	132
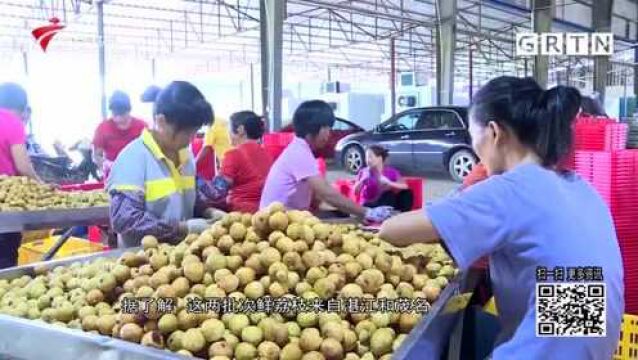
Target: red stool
415	185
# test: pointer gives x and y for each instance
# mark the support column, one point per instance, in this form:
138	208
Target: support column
445	46
636	72
25	63
272	14
471	73
252	87
101	56
393	77
601	22
542	15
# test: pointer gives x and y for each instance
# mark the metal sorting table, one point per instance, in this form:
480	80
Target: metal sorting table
35	220
29	339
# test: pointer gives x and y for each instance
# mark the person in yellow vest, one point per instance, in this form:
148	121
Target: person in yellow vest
217	140
152	184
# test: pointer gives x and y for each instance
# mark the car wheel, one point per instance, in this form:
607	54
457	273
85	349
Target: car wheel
353	158
460	164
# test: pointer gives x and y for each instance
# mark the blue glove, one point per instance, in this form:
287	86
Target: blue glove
197	226
213	214
378	214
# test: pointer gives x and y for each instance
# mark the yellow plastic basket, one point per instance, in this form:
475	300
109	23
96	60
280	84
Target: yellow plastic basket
35	235
628	344
33	251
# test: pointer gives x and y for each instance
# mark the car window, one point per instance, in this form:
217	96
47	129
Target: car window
449	120
342	126
427	121
404	122
438	120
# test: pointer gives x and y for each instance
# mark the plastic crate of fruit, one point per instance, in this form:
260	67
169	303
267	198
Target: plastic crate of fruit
33	251
245	254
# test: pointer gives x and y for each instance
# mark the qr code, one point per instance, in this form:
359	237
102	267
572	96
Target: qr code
571	310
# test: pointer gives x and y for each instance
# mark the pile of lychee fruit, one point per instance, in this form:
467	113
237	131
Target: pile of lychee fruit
274	253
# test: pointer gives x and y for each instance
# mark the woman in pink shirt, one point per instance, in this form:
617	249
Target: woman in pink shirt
14	159
295	179
381	185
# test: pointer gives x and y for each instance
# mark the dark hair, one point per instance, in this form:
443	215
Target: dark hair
379	150
592	106
252	123
541	119
119	103
183	106
150	94
311	116
13	97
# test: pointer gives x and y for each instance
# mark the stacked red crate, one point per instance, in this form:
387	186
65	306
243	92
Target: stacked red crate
614	174
601	158
624	208
276	142
602	134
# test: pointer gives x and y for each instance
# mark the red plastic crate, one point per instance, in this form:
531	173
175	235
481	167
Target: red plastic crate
600	134
83	187
416	186
278	138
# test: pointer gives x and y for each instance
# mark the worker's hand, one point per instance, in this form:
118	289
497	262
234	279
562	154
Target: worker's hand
378	214
197	226
213	215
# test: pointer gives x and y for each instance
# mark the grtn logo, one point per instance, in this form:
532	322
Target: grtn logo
44	34
570	44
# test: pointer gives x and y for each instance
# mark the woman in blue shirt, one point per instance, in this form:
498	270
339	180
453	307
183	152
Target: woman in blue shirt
525	215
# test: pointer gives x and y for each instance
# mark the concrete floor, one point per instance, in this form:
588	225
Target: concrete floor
435	185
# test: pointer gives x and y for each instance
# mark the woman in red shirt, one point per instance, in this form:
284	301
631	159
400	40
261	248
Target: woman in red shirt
244	168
